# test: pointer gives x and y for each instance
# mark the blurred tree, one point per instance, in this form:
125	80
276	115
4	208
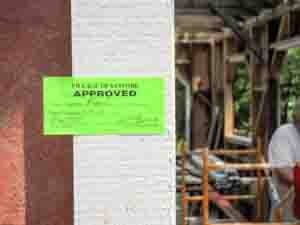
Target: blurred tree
290	84
290	90
241	95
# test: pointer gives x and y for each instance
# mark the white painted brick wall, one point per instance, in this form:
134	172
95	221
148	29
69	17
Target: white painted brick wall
125	180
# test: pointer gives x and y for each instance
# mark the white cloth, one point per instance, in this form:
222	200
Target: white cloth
284	151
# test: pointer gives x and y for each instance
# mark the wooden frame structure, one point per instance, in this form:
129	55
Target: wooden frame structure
258	167
231	58
220	53
207	189
208	193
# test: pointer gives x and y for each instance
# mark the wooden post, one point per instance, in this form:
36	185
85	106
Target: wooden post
219	71
200	84
227	83
278	215
259	77
205	189
277	60
219	95
213	79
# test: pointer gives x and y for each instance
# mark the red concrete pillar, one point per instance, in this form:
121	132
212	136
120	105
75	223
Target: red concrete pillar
36	171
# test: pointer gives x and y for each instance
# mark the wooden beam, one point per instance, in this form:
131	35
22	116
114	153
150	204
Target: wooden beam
269	15
238	31
283	32
233	152
227	85
198	22
259	77
200	117
219	95
277	60
286	44
205	41
213	85
195	29
214	36
237	58
260	112
243	13
182	61
198	37
219	74
241	167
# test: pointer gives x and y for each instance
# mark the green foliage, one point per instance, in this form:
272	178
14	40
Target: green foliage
290	83
290	90
241	95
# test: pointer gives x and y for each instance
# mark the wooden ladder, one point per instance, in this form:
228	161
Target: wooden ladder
223	202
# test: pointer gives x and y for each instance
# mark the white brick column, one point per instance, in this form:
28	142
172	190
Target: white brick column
125	180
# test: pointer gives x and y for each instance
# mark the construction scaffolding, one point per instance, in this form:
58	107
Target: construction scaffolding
208	49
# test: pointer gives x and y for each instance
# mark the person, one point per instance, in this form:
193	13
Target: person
283	153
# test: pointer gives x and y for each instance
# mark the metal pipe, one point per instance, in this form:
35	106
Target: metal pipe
188	109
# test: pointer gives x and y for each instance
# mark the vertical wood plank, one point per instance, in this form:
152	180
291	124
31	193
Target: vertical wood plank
201	86
227	85
213	75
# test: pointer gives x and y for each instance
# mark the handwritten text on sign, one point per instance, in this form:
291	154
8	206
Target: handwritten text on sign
91	106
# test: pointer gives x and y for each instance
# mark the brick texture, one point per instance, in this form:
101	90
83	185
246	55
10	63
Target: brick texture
35	171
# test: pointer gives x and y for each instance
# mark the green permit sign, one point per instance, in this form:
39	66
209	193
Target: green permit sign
100	106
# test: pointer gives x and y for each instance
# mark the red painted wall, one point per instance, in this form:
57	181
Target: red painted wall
35	171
